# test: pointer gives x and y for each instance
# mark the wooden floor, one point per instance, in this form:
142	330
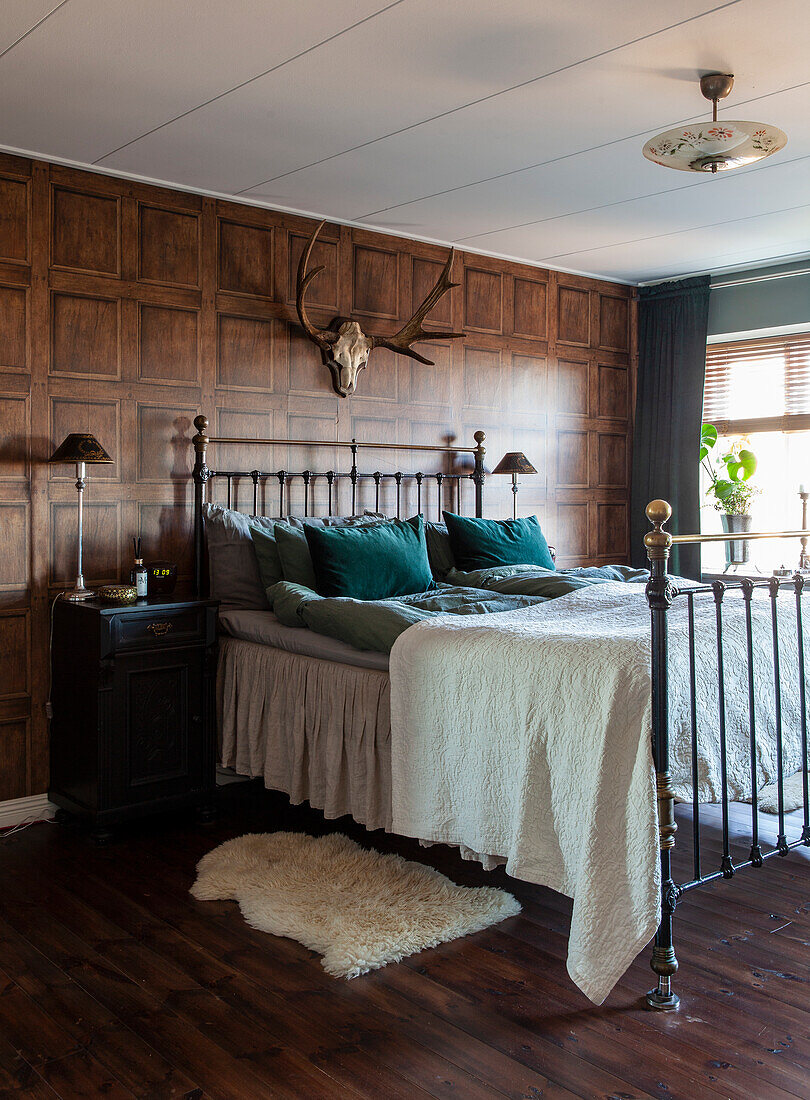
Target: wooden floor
115	983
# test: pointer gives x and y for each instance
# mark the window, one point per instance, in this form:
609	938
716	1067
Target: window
758	385
760	389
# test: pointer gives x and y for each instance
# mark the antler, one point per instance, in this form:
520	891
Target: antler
412	331
324	338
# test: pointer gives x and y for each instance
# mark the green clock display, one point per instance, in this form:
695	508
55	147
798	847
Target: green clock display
161	577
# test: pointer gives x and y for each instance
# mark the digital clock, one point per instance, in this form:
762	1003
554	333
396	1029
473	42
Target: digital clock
161	577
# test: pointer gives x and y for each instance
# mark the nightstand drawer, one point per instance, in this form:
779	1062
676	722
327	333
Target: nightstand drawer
139	630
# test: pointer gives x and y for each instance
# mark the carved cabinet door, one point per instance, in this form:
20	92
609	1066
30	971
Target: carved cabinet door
154	743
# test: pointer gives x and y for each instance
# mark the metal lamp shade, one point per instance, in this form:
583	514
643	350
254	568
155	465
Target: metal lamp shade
81	448
514	463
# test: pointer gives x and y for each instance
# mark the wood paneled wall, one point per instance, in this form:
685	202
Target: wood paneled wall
126	309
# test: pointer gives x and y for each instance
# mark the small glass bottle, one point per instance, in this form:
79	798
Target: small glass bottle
140	578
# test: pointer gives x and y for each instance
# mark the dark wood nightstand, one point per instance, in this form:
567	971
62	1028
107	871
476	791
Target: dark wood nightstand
133	726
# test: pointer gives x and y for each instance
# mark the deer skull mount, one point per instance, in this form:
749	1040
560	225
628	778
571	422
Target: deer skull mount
346	348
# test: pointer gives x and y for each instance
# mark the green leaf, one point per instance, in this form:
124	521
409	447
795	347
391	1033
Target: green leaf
742	466
708	438
722	488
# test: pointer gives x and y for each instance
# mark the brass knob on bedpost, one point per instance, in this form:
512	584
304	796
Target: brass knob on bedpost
658	541
201	424
200	440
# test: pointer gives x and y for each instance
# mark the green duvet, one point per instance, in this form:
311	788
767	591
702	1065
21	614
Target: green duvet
376	624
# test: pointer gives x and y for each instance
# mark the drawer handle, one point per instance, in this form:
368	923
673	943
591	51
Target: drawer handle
159	628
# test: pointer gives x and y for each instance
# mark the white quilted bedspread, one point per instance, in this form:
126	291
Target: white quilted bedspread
525	737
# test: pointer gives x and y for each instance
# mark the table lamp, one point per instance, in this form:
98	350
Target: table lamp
81	448
514	463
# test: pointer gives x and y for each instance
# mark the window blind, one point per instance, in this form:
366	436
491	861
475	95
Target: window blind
758	385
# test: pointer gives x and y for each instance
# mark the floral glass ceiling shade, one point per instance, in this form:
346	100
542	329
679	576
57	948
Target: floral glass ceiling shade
715	146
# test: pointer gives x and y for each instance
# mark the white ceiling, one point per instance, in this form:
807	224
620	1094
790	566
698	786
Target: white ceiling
508	126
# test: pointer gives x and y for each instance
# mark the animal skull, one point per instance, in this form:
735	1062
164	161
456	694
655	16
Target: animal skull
347	356
346	348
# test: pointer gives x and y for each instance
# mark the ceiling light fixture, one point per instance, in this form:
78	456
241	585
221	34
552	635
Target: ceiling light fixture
717	147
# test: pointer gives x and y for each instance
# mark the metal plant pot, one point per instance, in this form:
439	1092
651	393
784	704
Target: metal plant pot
738	552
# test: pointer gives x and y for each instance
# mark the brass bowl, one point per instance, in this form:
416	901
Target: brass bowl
118	593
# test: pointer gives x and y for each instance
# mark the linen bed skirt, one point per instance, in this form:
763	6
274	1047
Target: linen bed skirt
318	730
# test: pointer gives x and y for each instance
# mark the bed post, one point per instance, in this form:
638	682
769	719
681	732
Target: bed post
478	473
201	475
660	593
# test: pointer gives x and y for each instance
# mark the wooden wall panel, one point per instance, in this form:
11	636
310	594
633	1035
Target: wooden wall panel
13	753
531	311
375	281
12	327
245	259
85	335
14	563
85	232
14	204
168	247
167	345
483	300
14	433
127	309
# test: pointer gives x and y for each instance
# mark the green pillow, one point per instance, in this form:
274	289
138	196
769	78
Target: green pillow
440	555
481	543
371	563
267	555
296	563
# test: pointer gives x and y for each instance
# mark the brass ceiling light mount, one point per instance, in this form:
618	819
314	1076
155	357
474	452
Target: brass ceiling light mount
719	146
714	86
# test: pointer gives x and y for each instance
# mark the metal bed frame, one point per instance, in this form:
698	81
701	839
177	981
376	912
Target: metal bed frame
203	474
661	593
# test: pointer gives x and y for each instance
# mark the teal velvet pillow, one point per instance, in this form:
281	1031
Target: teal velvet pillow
371	563
481	543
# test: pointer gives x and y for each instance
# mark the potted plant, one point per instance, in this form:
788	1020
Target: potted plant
730	485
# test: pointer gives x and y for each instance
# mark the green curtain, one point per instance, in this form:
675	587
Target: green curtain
672	328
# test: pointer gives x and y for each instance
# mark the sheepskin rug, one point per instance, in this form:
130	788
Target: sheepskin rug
358	909
792	792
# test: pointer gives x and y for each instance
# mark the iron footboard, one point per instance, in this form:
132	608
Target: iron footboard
662	593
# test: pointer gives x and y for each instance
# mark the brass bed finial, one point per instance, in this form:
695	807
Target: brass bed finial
658	541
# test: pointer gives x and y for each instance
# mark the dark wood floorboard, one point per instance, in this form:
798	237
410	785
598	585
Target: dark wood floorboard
115	983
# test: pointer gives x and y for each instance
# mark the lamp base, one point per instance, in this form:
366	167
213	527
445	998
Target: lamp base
77	594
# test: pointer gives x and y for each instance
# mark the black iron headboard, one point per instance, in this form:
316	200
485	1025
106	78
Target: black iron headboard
203	473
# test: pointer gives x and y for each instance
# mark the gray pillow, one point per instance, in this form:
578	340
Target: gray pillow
232	566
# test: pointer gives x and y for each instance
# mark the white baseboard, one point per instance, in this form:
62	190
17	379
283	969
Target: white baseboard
35	807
